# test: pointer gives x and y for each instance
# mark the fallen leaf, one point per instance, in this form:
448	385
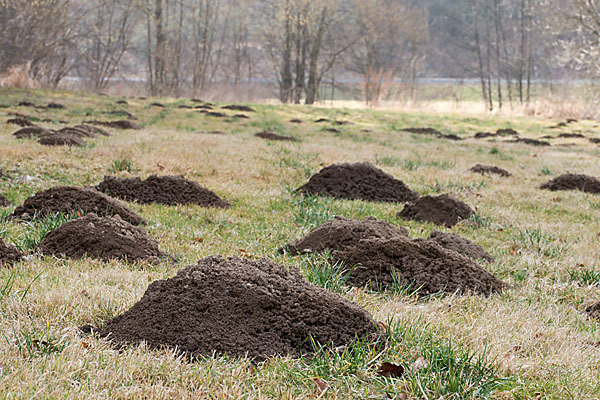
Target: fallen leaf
419	364
199	239
390	370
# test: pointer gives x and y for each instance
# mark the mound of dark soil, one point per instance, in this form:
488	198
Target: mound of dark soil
159	105
183	106
79	132
489	169
274	136
237	107
532	142
22	122
241	116
593	311
171	190
56	106
296	121
239	307
452	137
61	139
214	114
26	104
507	132
342	122
584	183
3	200
120	113
571	136
120	124
9	254
339	232
321	120
92	130
69	199
30	132
442	210
122	102
484	135
424	131
571	120
359	181
461	245
204	107
418	264
100	237
332	130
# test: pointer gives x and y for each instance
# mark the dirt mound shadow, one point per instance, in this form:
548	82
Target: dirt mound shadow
274	136
170	190
239	307
489	169
461	245
442	210
105	238
61	139
120	124
339	232
359	181
9	254
585	183
70	199
593	311
420	265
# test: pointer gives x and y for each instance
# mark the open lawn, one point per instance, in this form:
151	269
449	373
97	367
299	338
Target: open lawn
533	341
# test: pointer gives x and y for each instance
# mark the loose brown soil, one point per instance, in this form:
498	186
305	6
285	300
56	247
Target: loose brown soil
100	237
56	106
241	116
452	137
424	131
9	254
3	200
30	132
594	140
204	107
159	105
296	121
214	114
79	132
26	104
170	190
93	130
236	107
421	265
339	232
461	245
484	135
442	210
571	136
593	311
531	142
120	124
122	102
61	139
274	136
332	130
321	120
70	199
489	169
22	122
507	132
360	181
239	307
584	183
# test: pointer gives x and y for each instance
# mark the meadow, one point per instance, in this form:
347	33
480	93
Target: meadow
533	341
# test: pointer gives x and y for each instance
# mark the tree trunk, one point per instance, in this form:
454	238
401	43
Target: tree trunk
313	73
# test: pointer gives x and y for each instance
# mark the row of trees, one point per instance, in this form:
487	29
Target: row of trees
189	46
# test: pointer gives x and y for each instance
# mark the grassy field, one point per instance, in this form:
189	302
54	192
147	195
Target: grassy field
532	342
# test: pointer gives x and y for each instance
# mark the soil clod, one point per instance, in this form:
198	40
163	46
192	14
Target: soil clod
4	202
593	311
61	139
489	169
170	190
419	265
237	107
70	199
507	132
100	237
239	307
56	106
22	122
274	136
339	232
424	131
442	210
30	132
119	124
531	142
583	183
9	254
461	245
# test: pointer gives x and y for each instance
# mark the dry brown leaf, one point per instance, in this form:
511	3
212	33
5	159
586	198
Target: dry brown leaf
320	386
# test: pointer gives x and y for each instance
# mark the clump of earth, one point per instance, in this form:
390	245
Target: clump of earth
105	238
274	136
580	182
461	245
422	266
9	254
239	307
489	169
359	181
441	210
170	190
70	199
594	311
